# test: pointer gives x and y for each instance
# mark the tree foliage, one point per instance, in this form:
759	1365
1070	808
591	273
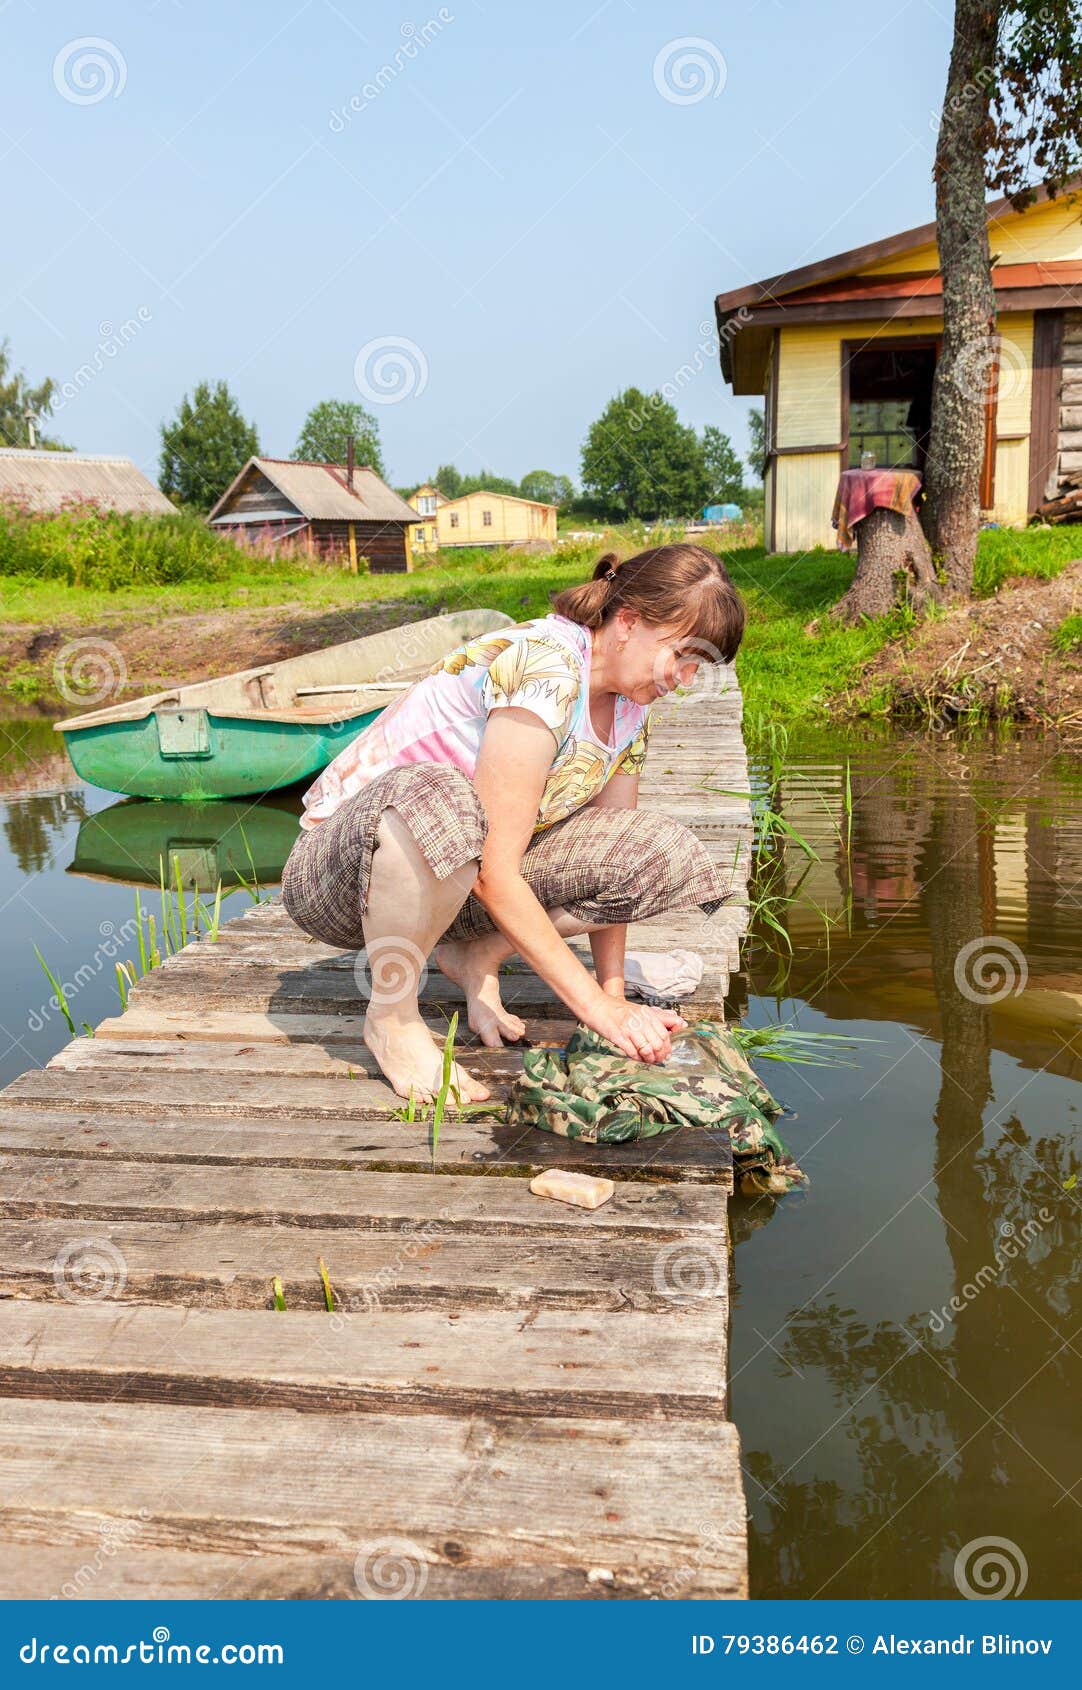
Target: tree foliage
206	444
16	398
756	458
1012	121
546	488
723	467
639	460
449	481
324	439
1035	110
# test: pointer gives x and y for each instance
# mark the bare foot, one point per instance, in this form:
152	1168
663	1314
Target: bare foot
474	965
411	1059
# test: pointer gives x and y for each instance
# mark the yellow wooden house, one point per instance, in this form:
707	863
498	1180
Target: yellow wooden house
426	502
843	353
480	519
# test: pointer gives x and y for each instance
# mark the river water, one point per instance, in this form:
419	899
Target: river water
905	1342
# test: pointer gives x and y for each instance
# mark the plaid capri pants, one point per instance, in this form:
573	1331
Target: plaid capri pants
603	866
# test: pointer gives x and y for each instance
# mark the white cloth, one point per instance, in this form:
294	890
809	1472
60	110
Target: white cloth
657	976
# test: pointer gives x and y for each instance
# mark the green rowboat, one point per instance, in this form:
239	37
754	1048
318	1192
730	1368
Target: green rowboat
260	729
222	841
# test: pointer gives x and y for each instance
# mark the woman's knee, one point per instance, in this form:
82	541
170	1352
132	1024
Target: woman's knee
654	846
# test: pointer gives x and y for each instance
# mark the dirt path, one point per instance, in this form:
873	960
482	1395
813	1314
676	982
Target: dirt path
993	658
194	647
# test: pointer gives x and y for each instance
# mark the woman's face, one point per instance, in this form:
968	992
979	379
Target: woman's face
654	660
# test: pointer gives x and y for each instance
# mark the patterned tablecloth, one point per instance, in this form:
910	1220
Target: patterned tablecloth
863	490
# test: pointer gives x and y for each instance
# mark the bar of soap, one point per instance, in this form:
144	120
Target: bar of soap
586	1191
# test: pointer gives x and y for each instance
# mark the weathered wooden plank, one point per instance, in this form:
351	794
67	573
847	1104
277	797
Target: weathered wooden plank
126	1057
102	1572
491	1506
269	989
393	1202
553	1362
218	1025
152	1132
684	1153
436	1265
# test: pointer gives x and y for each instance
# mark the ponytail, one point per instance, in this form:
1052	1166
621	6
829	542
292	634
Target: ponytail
589	603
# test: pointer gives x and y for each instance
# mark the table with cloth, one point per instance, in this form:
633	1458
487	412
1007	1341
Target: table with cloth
861	491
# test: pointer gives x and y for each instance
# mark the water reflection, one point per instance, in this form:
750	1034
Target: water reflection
906	1350
230	842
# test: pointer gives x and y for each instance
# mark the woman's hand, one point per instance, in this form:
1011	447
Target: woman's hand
635	1028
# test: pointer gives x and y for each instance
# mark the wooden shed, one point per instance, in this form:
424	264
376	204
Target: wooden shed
333	511
843	352
44	482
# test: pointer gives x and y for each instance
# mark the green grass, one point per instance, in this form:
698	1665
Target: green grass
1042	552
1068	636
787	675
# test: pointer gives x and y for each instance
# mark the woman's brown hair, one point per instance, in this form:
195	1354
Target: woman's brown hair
682	587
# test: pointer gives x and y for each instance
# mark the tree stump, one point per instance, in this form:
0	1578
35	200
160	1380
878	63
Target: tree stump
894	566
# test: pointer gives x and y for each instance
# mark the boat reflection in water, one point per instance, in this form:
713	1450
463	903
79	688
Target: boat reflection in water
223	840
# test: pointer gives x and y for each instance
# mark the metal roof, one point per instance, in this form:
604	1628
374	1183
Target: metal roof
319	492
47	481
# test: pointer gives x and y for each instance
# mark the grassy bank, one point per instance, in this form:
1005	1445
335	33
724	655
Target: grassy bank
795	663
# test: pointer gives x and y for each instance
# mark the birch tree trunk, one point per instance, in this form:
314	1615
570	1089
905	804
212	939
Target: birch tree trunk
967	358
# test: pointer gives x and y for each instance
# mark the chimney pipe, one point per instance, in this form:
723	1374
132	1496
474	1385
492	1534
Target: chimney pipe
349	462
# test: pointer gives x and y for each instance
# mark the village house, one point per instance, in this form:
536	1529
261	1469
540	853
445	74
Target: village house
332	511
843	352
44	482
480	519
426	502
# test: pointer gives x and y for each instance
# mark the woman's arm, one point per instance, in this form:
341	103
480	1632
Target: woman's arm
512	767
609	944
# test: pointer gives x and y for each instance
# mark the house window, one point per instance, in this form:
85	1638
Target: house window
881	427
486	518
431	533
426	505
454	519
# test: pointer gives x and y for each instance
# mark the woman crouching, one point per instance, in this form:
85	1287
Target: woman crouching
492	810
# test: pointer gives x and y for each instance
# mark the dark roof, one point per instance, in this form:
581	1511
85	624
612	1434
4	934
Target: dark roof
320	493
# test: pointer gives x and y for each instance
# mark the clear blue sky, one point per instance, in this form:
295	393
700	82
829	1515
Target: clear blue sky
518	201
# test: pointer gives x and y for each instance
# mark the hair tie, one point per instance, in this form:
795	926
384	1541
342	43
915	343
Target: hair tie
610	574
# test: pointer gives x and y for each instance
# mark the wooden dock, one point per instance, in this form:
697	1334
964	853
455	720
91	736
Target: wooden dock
511	1398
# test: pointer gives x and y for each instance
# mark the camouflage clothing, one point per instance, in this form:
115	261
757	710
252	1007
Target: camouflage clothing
589	1090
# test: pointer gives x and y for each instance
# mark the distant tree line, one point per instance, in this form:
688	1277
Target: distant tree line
638	459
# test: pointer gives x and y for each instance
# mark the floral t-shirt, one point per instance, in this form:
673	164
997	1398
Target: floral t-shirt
542	666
